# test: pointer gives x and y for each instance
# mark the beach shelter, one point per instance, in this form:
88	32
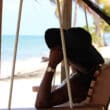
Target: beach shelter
69	2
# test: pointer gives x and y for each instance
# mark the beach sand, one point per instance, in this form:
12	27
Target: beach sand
28	73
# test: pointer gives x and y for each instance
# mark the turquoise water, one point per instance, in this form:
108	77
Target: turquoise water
28	47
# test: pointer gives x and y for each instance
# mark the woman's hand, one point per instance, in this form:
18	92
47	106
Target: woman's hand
55	57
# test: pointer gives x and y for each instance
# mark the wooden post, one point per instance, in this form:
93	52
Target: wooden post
66	13
15	54
0	30
66	23
96	9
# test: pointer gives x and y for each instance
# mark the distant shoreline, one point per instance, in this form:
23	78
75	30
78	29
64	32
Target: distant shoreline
35	67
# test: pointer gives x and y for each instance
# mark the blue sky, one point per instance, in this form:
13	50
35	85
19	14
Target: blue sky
37	16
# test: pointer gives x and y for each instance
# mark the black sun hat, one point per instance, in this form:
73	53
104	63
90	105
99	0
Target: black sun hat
79	46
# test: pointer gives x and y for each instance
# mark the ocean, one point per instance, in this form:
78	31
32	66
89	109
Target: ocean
31	49
28	47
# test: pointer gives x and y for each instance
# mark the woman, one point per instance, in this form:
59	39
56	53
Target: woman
83	59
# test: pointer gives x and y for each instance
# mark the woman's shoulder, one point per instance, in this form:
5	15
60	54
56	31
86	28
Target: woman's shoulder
105	69
106	66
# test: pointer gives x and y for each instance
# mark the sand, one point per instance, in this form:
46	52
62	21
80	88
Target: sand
28	73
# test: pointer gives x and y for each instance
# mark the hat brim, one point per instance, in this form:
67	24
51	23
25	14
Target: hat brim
85	56
77	37
52	37
95	55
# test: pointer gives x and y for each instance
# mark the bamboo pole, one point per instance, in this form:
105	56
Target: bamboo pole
15	53
64	54
66	24
66	14
96	9
0	31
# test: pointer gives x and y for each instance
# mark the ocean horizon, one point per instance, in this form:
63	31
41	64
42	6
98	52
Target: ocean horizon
31	49
29	46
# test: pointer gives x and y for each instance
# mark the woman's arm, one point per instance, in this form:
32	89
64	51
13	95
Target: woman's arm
45	97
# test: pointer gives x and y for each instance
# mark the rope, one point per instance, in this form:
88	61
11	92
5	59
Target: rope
65	58
15	53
